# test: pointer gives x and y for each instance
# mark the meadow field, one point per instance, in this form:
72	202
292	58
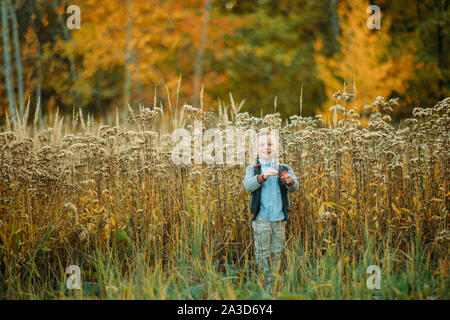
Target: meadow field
108	198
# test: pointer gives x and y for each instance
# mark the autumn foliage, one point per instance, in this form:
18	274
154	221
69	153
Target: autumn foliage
263	52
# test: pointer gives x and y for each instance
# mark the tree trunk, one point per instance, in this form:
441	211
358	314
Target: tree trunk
7	59
18	55
198	71
440	45
66	36
128	58
38	66
334	20
39	85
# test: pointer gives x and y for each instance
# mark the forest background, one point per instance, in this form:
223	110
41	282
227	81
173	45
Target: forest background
266	52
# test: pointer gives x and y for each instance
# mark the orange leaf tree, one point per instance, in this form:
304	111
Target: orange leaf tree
363	59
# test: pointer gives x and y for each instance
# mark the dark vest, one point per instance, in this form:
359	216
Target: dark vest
255	196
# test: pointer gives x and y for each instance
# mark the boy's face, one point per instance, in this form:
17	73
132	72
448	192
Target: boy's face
267	147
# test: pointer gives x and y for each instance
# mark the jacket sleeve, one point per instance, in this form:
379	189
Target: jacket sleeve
294	187
251	182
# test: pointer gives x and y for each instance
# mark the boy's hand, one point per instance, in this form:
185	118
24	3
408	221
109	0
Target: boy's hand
270	172
288	179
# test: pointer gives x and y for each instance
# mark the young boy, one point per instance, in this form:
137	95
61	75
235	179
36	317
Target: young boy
269	203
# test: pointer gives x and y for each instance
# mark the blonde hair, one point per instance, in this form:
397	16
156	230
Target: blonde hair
266	132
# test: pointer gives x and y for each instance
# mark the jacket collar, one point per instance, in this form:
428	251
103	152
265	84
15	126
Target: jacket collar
263	162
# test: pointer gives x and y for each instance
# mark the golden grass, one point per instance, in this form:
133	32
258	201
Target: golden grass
109	199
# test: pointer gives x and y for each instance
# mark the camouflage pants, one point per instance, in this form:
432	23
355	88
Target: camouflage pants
269	239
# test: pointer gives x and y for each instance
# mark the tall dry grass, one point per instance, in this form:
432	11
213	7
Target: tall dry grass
108	198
